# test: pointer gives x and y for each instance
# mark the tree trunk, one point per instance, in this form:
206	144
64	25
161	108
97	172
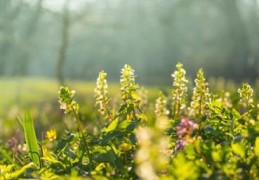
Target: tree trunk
64	44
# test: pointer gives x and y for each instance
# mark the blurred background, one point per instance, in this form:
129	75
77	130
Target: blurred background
75	39
44	43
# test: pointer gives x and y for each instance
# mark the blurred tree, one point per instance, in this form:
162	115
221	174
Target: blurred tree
64	42
9	13
28	41
84	37
237	40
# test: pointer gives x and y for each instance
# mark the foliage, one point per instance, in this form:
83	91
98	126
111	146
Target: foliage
138	139
30	138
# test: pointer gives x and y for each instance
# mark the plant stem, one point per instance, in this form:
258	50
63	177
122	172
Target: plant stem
82	135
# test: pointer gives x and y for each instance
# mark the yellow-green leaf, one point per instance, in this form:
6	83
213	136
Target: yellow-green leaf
239	149
216	156
112	125
256	148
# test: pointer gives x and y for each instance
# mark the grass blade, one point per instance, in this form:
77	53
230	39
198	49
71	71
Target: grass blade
21	123
31	139
8	158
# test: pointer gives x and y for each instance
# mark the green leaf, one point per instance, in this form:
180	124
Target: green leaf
99	177
112	125
181	165
19	172
124	124
239	149
256	148
143	117
64	143
109	137
21	123
216	156
8	158
31	139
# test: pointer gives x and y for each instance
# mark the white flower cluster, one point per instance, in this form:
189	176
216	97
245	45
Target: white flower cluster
246	96
101	92
127	74
160	106
129	88
66	100
201	97
225	99
179	89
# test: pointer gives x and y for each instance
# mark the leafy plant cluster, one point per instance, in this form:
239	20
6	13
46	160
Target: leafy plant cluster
205	136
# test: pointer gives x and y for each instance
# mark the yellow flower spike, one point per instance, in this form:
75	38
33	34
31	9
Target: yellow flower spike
51	135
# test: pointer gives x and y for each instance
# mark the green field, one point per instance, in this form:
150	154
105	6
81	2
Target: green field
41	97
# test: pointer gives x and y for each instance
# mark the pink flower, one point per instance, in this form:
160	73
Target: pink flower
186	127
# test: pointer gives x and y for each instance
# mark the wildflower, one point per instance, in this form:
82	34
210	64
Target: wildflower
201	95
147	172
51	135
101	92
128	86
225	99
143	96
180	144
160	107
13	144
246	96
161	112
179	90
151	157
186	127
66	100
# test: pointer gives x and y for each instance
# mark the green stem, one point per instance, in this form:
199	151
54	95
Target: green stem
82	135
111	118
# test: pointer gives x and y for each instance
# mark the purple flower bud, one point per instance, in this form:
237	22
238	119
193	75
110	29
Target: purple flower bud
180	144
13	144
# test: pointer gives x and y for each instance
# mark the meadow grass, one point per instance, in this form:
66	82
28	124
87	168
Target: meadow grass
40	96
